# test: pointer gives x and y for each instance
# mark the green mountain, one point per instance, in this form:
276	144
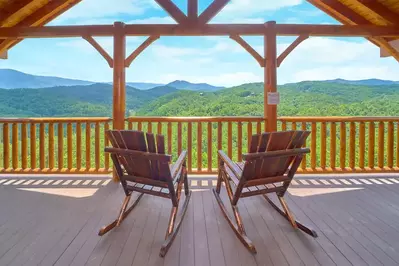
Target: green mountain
91	100
185	85
316	98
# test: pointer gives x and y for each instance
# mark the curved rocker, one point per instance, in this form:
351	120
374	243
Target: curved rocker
289	217
239	232
269	167
175	228
122	214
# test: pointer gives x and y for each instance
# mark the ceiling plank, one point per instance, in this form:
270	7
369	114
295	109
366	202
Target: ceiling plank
212	10
41	17
17	10
381	10
172	10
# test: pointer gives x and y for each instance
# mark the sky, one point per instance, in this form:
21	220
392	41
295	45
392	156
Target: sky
214	60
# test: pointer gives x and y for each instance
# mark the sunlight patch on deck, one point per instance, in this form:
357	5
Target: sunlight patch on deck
305	192
65	192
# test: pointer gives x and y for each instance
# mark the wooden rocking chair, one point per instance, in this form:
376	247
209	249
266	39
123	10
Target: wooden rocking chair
269	166
143	166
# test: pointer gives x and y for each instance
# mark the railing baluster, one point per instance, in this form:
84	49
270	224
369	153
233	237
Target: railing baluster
32	146
258	127
199	147
352	143
106	144
220	137
371	144
190	146
97	146
381	145
179	139
333	145
51	145
88	142
239	141
60	146
342	146
304	163
362	141
209	143
397	144
69	145
41	146
249	135
283	126
6	146
79	146
313	146
169	138
323	145
390	144
293	126
24	146
130	125
230	139
14	146
159	128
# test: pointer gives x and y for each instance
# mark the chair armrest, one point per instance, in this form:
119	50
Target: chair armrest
230	164
179	163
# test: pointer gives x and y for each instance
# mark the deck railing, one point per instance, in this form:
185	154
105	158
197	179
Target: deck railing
75	145
54	145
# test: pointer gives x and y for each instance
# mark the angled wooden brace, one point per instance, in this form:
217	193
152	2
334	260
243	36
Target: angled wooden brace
290	48
101	50
140	49
260	59
173	10
381	10
383	43
212	10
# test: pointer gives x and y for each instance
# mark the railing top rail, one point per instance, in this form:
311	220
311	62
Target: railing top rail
196	119
339	119
55	120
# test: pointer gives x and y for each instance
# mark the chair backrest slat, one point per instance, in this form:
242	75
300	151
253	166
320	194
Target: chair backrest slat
263	167
140	165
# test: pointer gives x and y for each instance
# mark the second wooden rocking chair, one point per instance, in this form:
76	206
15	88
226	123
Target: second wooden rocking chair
269	167
142	166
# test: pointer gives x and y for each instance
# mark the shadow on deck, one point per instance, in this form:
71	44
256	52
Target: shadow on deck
55	220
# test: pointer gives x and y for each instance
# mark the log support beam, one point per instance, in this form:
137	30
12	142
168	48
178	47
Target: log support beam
173	10
260	59
270	76
290	48
381	10
212	10
101	50
140	49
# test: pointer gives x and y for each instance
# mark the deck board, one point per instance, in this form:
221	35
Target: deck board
355	227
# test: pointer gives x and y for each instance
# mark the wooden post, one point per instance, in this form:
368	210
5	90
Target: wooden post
270	75
119	102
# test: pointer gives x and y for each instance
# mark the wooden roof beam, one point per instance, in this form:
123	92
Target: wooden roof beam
16	10
388	47
172	10
381	10
140	49
290	48
99	49
192	10
40	17
202	30
212	10
4	55
260	59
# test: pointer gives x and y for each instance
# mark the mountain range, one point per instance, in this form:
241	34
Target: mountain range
13	79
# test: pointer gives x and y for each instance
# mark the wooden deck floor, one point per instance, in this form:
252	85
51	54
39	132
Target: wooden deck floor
54	221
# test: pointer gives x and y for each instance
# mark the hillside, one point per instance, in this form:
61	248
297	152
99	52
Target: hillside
91	100
304	98
185	85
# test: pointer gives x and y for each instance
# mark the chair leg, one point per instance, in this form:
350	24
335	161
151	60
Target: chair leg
219	182
287	214
122	214
237	228
174	225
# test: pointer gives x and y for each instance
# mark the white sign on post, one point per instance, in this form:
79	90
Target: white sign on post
273	98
